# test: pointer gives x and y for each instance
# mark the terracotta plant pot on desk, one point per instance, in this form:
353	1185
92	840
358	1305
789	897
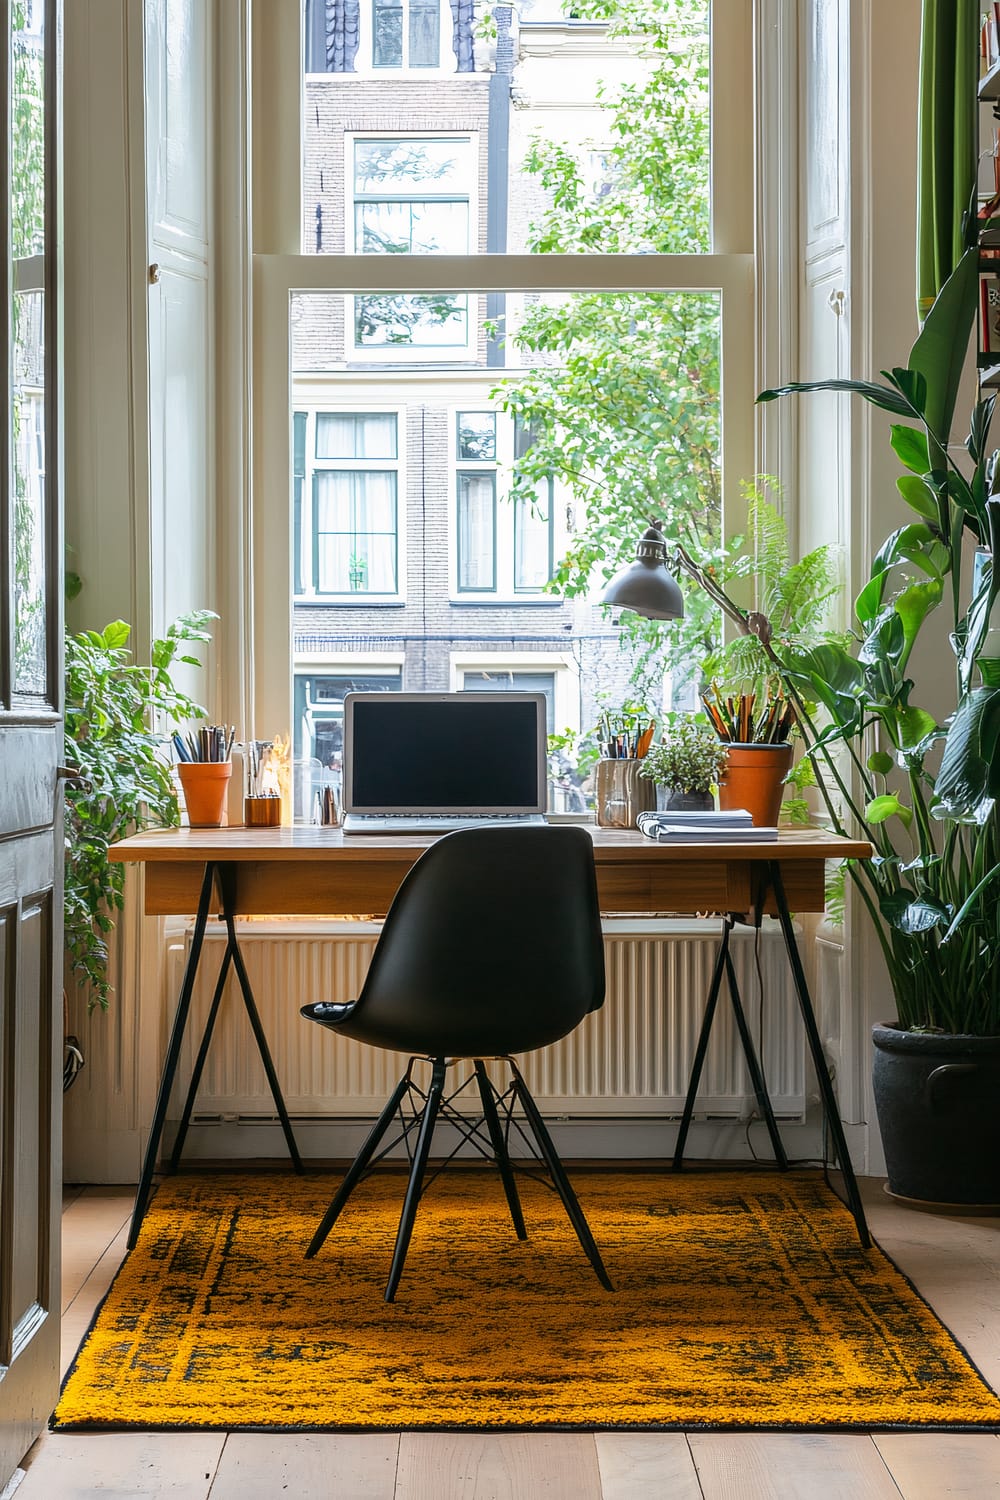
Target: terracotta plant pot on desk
206	787
754	780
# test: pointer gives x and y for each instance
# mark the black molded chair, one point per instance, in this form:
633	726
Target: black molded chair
492	945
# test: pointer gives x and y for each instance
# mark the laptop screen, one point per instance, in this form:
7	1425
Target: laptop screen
444	752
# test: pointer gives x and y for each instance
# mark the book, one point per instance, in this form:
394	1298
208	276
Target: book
734	817
733	826
672	833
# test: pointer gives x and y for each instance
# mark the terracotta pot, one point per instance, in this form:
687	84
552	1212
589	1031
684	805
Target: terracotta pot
206	787
754	780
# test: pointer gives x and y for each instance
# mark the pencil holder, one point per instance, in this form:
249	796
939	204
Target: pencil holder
205	784
262	812
622	794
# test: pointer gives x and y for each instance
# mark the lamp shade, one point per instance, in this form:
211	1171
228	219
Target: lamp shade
645	586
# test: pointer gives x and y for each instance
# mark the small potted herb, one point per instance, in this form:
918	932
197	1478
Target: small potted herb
687	762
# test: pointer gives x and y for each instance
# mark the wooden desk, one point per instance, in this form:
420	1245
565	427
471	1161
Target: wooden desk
309	871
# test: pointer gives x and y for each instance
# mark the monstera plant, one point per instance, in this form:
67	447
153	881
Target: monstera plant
922	785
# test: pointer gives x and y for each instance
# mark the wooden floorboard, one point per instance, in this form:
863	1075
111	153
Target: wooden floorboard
952	1262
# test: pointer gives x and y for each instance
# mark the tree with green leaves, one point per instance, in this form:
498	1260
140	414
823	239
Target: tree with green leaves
621	393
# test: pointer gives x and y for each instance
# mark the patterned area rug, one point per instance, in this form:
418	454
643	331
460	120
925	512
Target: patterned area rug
743	1300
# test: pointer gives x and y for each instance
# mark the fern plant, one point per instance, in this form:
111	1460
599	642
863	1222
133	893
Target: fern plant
793	597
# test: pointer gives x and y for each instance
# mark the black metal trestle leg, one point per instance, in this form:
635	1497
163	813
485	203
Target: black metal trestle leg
171	1059
227	882
232	955
724	965
830	1106
754	1068
701	1049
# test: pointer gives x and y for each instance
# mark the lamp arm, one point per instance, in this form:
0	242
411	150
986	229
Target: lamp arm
684	562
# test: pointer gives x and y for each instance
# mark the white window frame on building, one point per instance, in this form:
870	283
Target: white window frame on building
469	473
281	270
456	196
309	466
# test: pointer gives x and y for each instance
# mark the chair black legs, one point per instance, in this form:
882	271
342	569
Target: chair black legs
357	1167
562	1182
428	1119
500	1149
420	1155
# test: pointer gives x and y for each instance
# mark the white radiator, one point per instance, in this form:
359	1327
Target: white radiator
628	1061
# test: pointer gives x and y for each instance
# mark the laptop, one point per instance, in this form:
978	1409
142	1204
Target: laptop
433	762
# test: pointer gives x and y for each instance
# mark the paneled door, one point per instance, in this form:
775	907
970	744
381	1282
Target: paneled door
30	729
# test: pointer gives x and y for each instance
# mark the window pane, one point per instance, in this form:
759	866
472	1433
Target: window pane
532	545
26	146
412	167
607	148
355	531
387	46
395	228
425	34
476	531
419	319
489	681
477	434
355	434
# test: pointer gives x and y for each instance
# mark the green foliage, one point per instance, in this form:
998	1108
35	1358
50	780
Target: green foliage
794	596
932	888
621	396
117	714
689	758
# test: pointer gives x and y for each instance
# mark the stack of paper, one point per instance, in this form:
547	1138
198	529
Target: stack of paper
730	827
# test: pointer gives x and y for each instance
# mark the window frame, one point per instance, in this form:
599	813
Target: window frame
505	590
280	269
305	543
416	353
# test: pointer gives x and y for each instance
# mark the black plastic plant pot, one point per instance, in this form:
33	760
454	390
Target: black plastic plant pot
938	1104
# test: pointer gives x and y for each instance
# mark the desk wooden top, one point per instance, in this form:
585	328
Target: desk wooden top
312	844
307	871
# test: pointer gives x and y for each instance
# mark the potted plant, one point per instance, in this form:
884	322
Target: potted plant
686	763
922	787
118	715
748	702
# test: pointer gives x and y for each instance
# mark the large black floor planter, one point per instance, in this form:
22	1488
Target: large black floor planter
938	1103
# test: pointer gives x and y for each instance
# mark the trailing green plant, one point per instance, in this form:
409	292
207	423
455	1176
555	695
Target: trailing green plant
688	758
931	889
118	715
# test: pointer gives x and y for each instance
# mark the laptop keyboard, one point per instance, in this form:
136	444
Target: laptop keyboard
434	822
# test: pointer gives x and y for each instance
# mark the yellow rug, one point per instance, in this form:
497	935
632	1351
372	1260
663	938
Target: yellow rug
743	1300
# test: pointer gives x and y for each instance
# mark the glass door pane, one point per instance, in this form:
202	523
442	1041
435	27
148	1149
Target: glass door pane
27	399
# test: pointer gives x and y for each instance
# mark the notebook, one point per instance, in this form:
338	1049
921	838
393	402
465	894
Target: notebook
431	762
734	826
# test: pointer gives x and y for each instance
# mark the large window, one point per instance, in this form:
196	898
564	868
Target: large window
613	314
